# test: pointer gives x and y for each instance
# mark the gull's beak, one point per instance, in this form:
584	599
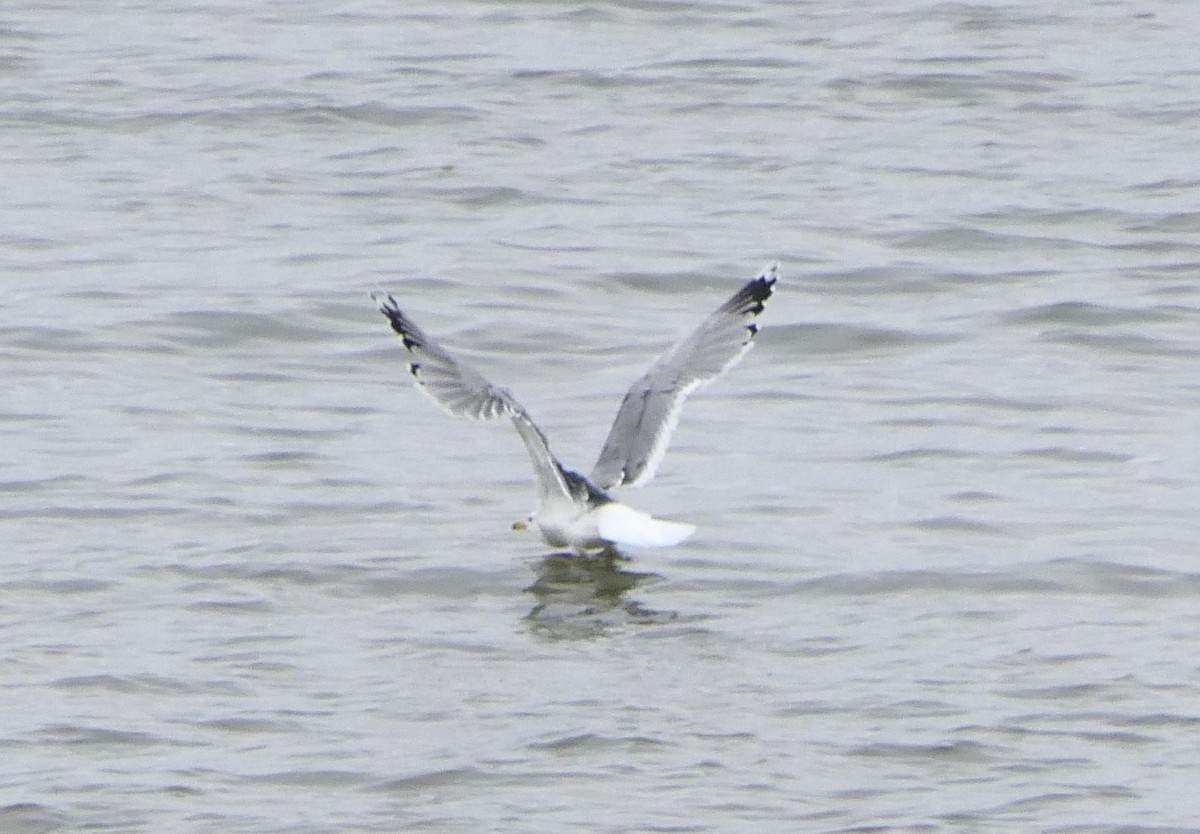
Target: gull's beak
520	525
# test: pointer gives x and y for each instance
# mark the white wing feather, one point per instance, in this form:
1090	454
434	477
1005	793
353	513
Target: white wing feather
464	392
642	429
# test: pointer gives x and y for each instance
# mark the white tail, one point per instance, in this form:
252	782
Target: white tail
620	524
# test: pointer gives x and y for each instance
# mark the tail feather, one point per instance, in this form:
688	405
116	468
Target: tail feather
620	524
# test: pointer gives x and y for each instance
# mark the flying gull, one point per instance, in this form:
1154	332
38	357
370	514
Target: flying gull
574	511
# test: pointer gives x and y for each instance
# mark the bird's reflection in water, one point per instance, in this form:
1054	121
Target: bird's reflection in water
586	596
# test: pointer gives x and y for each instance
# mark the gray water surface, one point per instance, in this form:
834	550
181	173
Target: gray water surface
946	573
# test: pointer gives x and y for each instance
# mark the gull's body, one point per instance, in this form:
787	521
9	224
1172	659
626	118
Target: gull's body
574	511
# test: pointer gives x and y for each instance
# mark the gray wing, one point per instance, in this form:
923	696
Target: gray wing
639	435
464	392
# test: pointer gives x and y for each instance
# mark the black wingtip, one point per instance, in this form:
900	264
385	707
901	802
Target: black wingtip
760	289
764	284
387	305
405	329
750	298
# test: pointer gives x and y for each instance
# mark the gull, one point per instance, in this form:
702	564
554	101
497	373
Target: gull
574	511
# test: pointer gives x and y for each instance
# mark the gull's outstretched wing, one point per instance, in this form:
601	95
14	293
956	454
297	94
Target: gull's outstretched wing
464	392
639	436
